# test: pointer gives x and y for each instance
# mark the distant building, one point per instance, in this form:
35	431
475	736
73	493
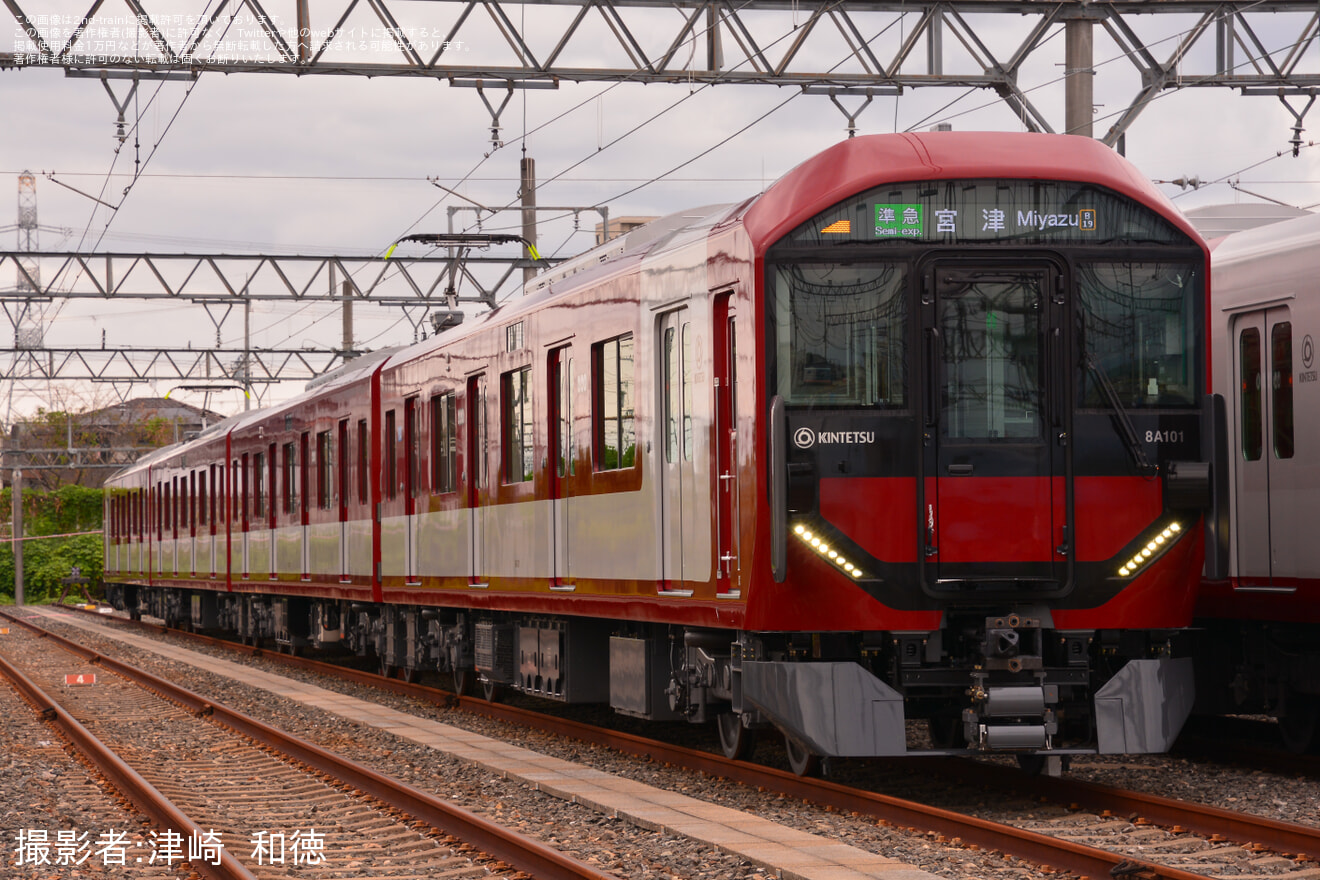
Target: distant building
619	226
57	448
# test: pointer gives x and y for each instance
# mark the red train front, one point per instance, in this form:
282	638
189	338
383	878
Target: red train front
922	432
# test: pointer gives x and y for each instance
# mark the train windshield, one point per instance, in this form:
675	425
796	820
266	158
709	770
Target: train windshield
840	333
1139	324
842	287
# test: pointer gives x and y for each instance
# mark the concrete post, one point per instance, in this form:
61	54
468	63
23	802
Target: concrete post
1079	86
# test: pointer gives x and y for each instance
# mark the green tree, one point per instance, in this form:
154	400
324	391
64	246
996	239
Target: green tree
49	559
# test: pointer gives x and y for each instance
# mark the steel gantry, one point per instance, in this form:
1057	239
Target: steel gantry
844	47
435	287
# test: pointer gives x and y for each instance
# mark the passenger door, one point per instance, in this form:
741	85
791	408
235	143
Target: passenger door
477	477
562	465
411	486
1266	466
341	493
677	477
727	573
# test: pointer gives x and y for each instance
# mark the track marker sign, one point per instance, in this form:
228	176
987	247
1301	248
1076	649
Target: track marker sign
80	678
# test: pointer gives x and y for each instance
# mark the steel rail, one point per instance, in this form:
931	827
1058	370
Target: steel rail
1029	845
145	796
1282	837
507	846
1210	740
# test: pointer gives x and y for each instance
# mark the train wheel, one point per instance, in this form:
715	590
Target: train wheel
736	741
1299	727
946	732
1032	765
410	674
493	691
463	679
801	760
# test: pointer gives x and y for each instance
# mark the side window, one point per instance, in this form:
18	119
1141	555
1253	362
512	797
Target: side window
324	468
477	449
390	450
612	419
563	379
444	444
259	484
218	495
304	470
241	491
342	461
411	448
1282	379
1249	359
272	477
362	461
517	411
289	484
201	499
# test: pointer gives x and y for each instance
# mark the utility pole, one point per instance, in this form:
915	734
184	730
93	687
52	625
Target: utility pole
304	32
16	533
247	350
348	320
528	213
1079	75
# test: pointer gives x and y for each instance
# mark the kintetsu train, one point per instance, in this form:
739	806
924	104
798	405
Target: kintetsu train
1259	649
923	431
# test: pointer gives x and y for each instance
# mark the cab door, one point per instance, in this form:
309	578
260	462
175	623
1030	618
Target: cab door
993	508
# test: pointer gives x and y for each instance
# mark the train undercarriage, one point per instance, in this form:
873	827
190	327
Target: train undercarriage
982	683
1262	668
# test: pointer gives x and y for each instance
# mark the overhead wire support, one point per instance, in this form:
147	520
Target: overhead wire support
655	50
242	278
261	366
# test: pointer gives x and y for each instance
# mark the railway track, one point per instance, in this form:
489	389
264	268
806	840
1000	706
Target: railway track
1118	831
250	800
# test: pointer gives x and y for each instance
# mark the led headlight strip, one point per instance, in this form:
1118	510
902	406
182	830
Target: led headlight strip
1152	551
821	546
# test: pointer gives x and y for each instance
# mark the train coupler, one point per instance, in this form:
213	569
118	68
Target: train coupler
1011	717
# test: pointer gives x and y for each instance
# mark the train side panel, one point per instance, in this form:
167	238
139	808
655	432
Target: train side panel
1257	651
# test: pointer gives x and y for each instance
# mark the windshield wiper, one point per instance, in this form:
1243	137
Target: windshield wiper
1125	428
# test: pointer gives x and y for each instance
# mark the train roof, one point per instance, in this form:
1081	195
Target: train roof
1263	241
672	230
1216	221
351	371
861	163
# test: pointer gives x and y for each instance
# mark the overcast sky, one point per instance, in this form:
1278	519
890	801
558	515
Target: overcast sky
278	164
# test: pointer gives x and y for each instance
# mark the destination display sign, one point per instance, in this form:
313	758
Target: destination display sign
954	211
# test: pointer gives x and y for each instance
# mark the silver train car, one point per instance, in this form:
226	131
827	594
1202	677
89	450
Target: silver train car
1259	649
